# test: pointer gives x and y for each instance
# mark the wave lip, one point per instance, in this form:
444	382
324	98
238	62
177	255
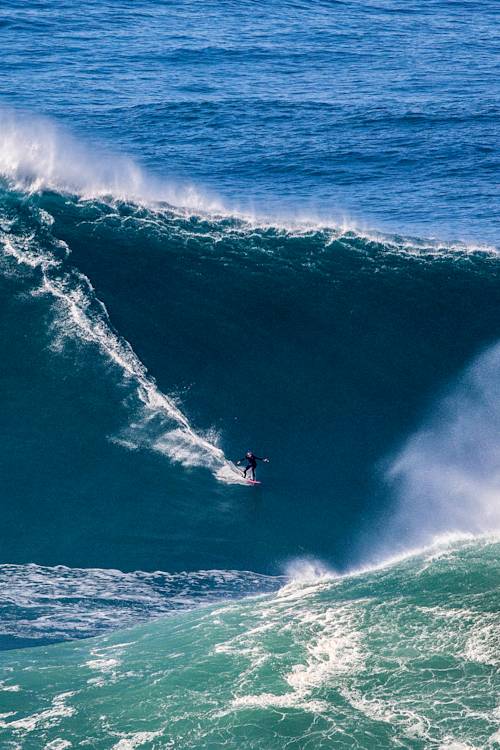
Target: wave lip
36	154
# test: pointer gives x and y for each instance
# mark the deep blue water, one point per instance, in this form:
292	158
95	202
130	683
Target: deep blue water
268	226
368	111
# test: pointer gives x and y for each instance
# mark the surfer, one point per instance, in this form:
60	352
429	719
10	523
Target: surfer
251	460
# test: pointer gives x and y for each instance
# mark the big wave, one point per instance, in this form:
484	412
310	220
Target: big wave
446	473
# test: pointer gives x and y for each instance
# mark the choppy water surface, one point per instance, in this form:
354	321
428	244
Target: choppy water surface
266	226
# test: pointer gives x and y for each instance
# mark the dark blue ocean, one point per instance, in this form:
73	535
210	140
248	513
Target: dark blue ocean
246	226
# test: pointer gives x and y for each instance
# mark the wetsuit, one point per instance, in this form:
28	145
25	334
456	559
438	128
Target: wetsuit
252	459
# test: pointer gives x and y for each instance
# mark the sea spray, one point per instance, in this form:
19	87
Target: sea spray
447	475
156	304
38	154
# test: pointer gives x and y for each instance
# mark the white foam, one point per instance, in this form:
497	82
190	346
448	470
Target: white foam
449	743
103	665
58	744
182	443
483	644
495	738
330	643
36	154
132	741
8	688
82	315
48	718
20	248
287	700
308	570
373	708
335	651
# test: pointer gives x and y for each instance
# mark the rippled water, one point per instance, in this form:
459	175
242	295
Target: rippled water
234	226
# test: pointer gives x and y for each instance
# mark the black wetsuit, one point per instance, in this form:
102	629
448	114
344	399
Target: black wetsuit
252	459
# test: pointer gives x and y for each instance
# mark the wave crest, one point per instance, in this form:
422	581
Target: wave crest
36	154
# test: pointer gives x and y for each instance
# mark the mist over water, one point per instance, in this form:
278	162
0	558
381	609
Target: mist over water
38	154
447	474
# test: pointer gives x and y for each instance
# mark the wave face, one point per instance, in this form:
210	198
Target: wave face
162	341
405	656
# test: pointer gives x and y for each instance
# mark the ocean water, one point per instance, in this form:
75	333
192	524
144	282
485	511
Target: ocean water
232	226
404	656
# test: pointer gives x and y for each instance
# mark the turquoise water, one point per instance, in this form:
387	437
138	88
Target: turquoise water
265	226
404	656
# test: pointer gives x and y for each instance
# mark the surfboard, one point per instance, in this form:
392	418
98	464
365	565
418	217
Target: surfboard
253	481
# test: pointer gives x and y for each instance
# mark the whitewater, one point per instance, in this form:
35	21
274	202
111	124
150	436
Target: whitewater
404	656
271	229
327	635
